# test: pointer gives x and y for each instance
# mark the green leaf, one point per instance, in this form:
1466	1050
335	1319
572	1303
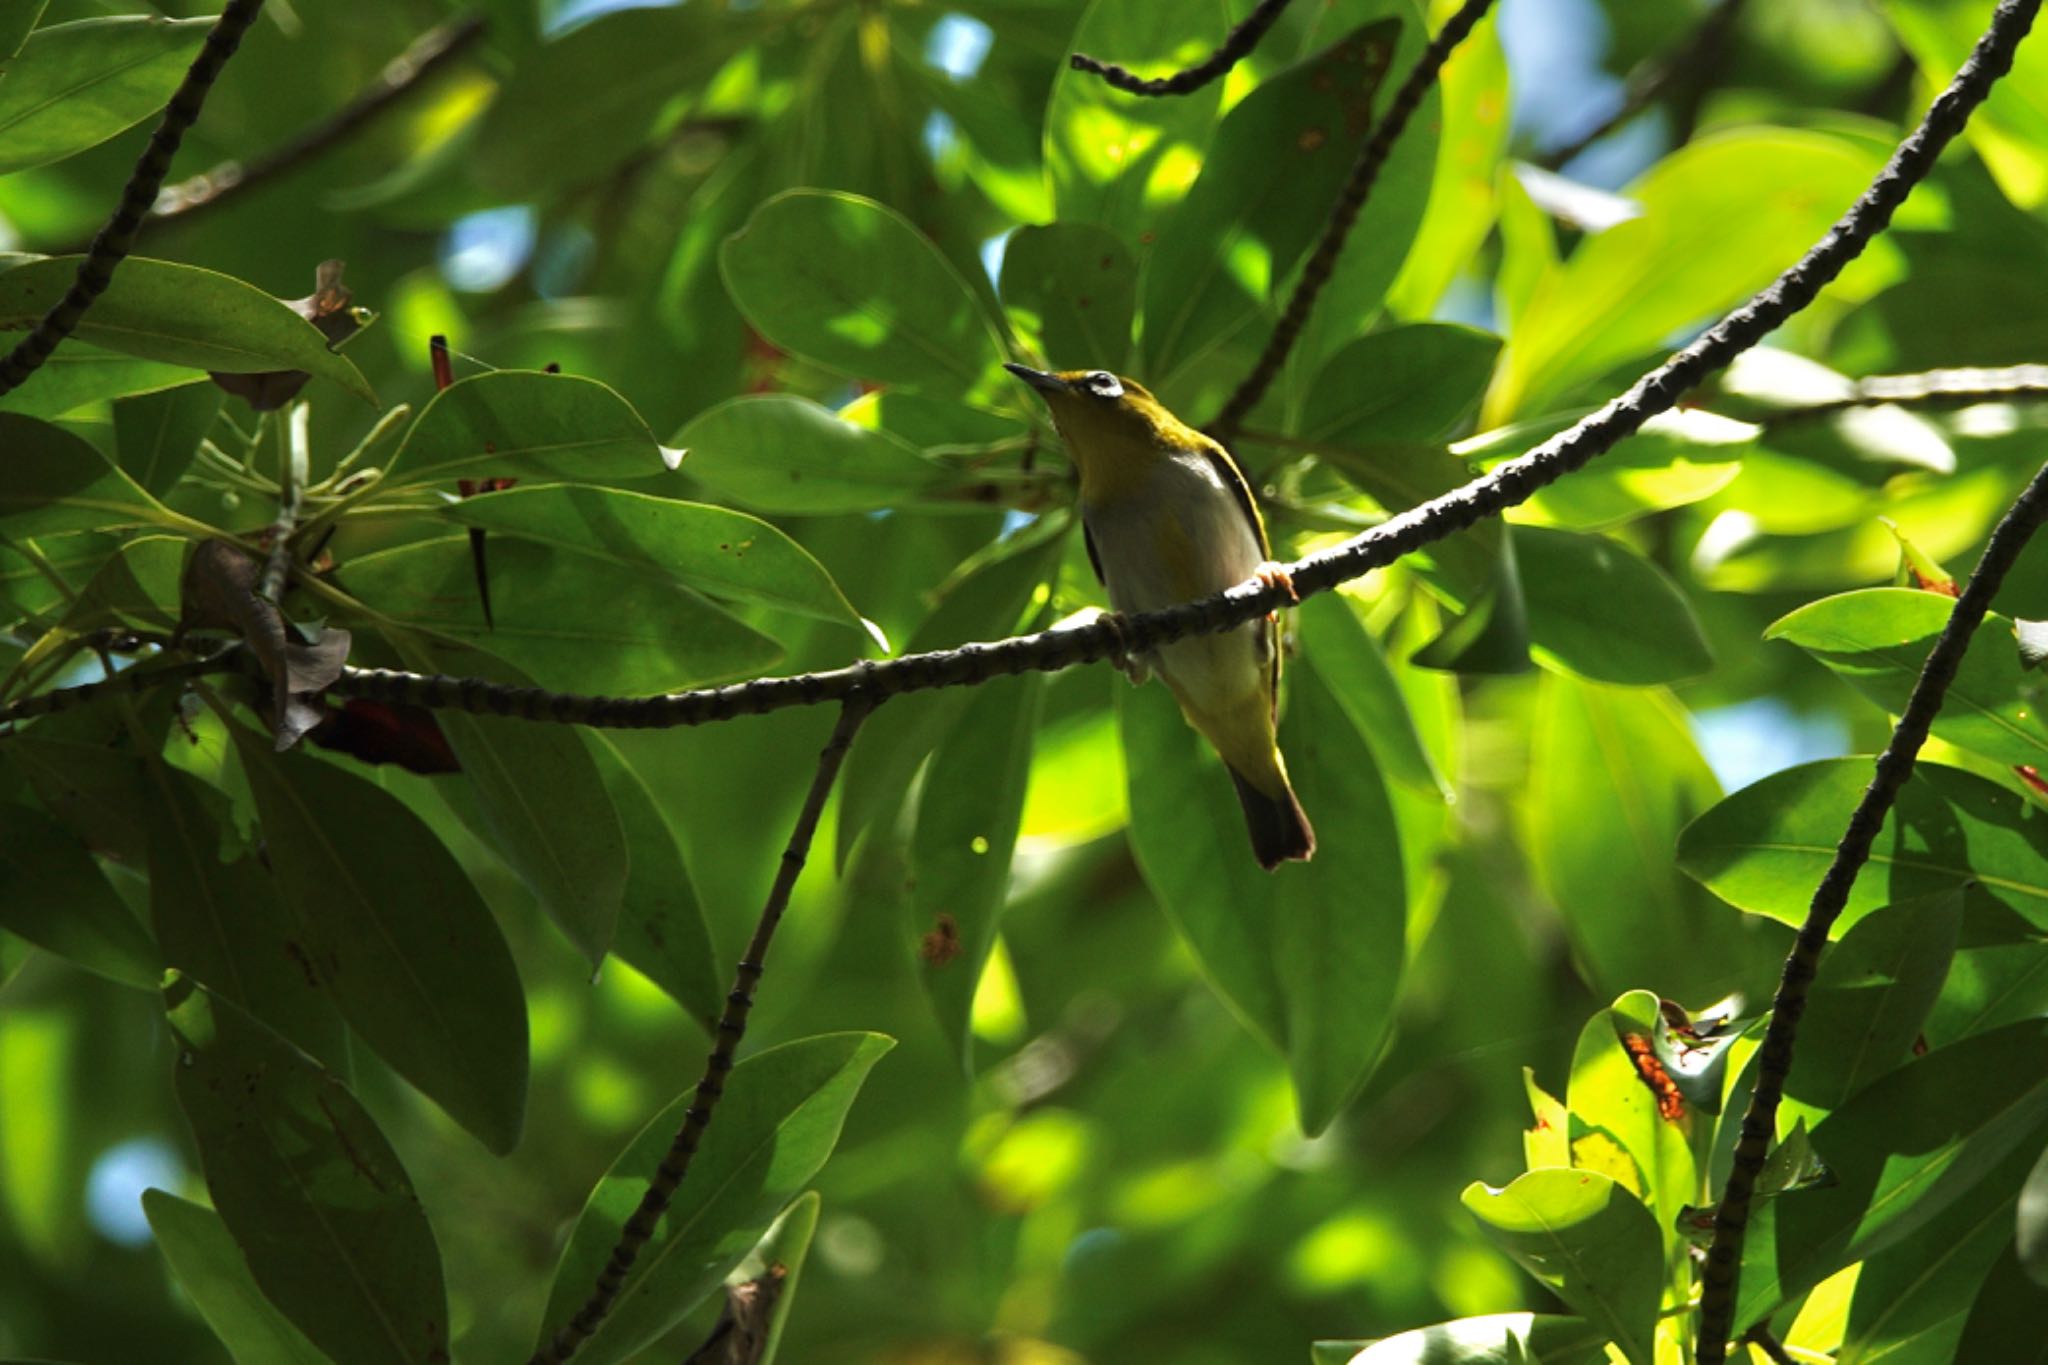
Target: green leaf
57	482
778	1123
2009	1309
779	453
1871	997
967	818
1615	1128
1412	383
540	804
223	923
1309	956
1632	919
56	897
309	1187
710	549
2010	132
1235	240
850	284
1912	1298
986	603
212	1269
1343	647
525	424
25	586
662	931
1876	640
1074	288
416	964
568	621
73	86
181	315
1678	458
156	435
1120	161
1909	1146
78	375
1495	1339
1589	1240
1720	217
1598	609
780	1256
1766	847
18	19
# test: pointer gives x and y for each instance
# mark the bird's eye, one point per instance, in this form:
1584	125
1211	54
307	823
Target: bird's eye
1103	384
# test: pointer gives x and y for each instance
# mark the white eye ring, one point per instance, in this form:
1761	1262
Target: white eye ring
1103	384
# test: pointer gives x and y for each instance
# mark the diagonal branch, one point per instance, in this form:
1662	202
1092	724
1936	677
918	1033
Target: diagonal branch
1236	46
732	1026
114	241
1930	388
190	198
1894	766
1322	263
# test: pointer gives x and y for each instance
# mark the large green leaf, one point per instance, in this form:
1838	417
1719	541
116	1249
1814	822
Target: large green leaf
1604	612
222	922
57	482
1873	993
309	1187
1118	160
1344	649
1309	956
1632	919
1615	1125
73	86
2008	1309
849	283
213	1270
18	19
711	549
182	315
779	1258
1720	217
967	817
776	1126
780	453
1877	638
524	423
1909	1146
53	895
1233	243
416	964
79	374
1589	1240
156	435
662	931
1411	383
1074	288
541	804
1495	1339
567	620
1766	847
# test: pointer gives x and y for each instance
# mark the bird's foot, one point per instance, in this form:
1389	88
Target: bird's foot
1274	575
1134	666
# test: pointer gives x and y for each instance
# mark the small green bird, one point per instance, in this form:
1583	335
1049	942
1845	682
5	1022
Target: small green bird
1169	518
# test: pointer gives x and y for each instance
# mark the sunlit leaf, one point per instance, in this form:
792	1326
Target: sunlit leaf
73	86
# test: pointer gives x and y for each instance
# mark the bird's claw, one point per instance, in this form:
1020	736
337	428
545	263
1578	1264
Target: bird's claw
1133	667
1274	575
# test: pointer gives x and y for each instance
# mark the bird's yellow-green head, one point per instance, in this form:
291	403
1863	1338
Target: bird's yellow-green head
1113	427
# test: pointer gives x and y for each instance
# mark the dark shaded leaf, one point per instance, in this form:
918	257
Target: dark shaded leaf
53	895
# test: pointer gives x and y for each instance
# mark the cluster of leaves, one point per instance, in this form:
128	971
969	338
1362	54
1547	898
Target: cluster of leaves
763	231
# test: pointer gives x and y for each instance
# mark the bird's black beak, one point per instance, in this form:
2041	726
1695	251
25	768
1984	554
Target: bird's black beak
1037	379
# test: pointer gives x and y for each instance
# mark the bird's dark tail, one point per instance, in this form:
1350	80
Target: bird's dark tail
1278	828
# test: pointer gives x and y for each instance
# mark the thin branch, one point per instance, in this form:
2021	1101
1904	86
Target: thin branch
127	683
732	1026
1760	1337
292	470
1237	45
1697	59
189	198
1931	388
1894	766
114	241
1344	216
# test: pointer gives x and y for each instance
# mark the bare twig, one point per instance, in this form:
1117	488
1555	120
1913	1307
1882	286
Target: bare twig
1991	59
189	198
114	241
1931	388
1760	1337
1237	45
732	1026
127	683
1343	217
1696	60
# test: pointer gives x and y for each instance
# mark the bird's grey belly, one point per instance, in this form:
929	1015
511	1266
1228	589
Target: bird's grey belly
1173	545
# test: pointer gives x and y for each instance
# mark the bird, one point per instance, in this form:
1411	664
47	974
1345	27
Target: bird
1168	517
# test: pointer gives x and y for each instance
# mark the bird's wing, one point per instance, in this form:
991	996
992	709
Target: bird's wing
1094	559
1234	479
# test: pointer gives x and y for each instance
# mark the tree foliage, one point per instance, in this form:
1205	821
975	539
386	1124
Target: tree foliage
397	1009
